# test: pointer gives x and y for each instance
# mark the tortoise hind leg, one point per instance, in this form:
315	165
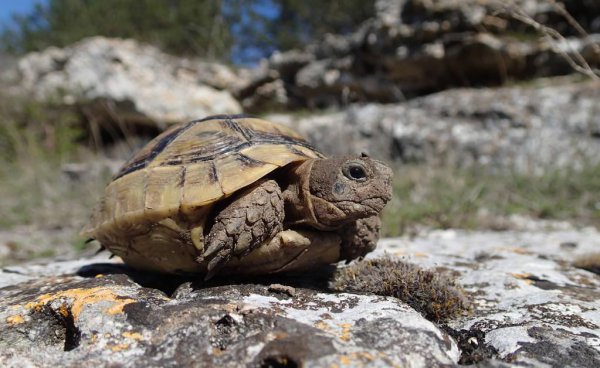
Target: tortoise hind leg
255	216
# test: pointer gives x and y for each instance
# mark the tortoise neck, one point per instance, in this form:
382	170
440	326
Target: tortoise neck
298	199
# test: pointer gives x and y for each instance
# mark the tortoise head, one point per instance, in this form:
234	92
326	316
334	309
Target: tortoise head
347	188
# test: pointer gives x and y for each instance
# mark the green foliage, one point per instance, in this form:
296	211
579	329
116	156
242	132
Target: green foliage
181	27
292	23
477	198
249	29
31	130
432	293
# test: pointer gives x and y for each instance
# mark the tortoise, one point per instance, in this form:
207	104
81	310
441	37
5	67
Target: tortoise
236	194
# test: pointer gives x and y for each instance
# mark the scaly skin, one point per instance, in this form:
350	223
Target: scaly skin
341	196
359	237
251	219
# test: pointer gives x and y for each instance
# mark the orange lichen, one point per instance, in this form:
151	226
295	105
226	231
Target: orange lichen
81	298
365	355
357	357
119	347
523	276
322	326
516	250
345	335
133	335
279	335
345	360
15	320
63	310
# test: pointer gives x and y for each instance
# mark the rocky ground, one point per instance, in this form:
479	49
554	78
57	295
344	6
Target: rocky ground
530	306
442	83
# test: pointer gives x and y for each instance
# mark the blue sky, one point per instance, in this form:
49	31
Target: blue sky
8	7
240	56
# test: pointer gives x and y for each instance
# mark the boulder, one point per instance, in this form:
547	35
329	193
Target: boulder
528	129
530	307
139	82
415	47
91	313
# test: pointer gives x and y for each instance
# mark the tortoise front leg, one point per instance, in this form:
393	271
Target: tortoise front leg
359	237
255	216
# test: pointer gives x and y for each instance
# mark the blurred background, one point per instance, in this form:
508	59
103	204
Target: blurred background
489	111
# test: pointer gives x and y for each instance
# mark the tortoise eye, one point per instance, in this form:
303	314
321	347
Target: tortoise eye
355	172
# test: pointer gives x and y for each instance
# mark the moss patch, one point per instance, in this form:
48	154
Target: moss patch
589	262
433	294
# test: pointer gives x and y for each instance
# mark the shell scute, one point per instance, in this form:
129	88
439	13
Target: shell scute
164	187
201	186
193	165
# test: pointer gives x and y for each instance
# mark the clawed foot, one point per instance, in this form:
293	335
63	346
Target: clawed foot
248	221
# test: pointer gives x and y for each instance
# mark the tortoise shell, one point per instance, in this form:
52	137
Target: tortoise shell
193	165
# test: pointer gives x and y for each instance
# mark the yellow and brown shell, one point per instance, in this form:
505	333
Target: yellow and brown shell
177	176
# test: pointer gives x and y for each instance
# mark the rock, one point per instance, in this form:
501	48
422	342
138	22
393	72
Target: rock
389	11
529	129
415	47
142	83
50	316
531	307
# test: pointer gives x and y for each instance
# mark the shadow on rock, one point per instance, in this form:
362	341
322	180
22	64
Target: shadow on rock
168	284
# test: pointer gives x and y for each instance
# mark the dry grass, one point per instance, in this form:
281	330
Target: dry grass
476	198
36	141
41	194
558	42
41	205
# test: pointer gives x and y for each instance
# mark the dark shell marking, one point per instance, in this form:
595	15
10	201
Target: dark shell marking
219	143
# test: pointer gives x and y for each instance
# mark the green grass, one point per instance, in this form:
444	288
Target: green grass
479	199
35	141
41	207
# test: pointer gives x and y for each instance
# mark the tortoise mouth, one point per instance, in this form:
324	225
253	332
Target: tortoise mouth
332	215
365	208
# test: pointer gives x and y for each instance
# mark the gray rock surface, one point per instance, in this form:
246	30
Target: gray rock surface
531	307
51	317
528	129
138	79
